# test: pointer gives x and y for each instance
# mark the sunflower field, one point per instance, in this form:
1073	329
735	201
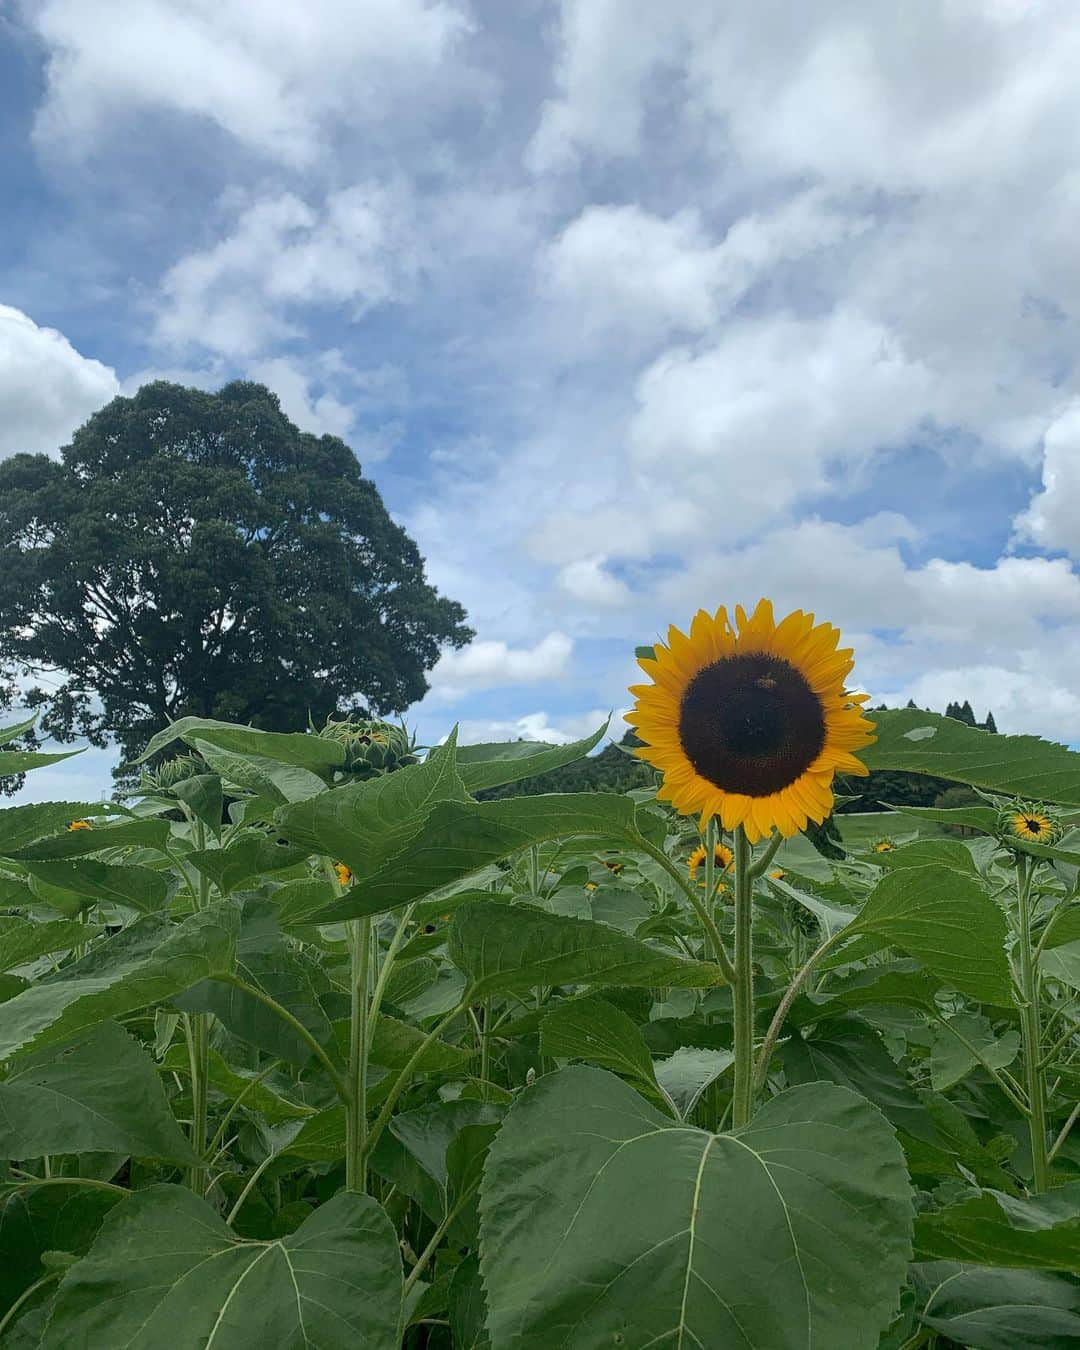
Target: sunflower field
303	1045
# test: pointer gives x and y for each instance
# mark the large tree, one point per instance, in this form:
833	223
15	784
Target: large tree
195	553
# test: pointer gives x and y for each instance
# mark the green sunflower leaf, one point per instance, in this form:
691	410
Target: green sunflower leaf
993	1229
515	948
1021	766
458	838
493	765
604	1222
335	1281
947	921
99	1093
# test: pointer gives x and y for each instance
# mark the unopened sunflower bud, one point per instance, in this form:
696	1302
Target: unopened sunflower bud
372	747
1031	821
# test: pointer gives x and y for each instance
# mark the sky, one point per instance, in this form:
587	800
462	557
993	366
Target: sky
627	308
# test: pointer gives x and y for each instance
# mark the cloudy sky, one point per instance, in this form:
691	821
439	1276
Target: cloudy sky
628	308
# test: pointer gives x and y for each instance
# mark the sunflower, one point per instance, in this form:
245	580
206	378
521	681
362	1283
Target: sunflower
1033	822
778	874
344	875
751	723
80	825
613	865
590	886
884	846
722	857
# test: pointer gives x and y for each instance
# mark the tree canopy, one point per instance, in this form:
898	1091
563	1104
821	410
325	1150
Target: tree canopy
195	553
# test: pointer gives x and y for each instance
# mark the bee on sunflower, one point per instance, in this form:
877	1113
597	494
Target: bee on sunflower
884	846
751	722
1031	821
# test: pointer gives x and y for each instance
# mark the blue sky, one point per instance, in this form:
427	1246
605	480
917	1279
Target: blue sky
627	308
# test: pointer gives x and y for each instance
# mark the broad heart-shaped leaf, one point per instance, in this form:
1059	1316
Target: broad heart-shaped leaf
165	1270
290	977
21	825
596	1031
951	1059
99	1093
604	1222
203	796
993	1229
249	856
928	853
947	921
147	962
257	1097
1064	926
134	887
459	838
364	824
492	765
265	777
510	949
37	1219
22	941
304	751
984	1308
849	1052
1022	766
80	843
904	983
981	818
688	1071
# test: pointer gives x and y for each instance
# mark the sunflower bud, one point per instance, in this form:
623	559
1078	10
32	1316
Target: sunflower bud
171	772
1028	820
372	747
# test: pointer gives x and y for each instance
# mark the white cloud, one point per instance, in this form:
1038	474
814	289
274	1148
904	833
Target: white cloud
238	296
535	726
1052	518
588	581
622	267
275	75
47	388
493	664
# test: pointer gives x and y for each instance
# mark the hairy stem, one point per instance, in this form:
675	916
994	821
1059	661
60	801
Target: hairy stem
743	1100
712	933
359	935
780	1016
1035	1082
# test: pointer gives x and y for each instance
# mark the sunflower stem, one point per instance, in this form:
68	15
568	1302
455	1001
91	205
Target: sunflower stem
770	852
359	935
743	1100
710	865
712	933
1035	1081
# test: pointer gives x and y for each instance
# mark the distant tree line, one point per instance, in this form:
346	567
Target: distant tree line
615	769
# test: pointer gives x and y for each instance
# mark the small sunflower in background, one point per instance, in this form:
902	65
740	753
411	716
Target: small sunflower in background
885	846
1031	821
722	857
344	875
778	874
612	865
79	825
590	886
751	722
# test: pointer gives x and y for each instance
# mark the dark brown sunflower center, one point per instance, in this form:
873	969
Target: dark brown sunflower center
751	724
1033	826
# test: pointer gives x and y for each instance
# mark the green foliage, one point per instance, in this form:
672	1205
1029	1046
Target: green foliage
481	1094
194	554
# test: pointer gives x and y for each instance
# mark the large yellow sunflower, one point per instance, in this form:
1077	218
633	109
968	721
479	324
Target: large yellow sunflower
751	723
